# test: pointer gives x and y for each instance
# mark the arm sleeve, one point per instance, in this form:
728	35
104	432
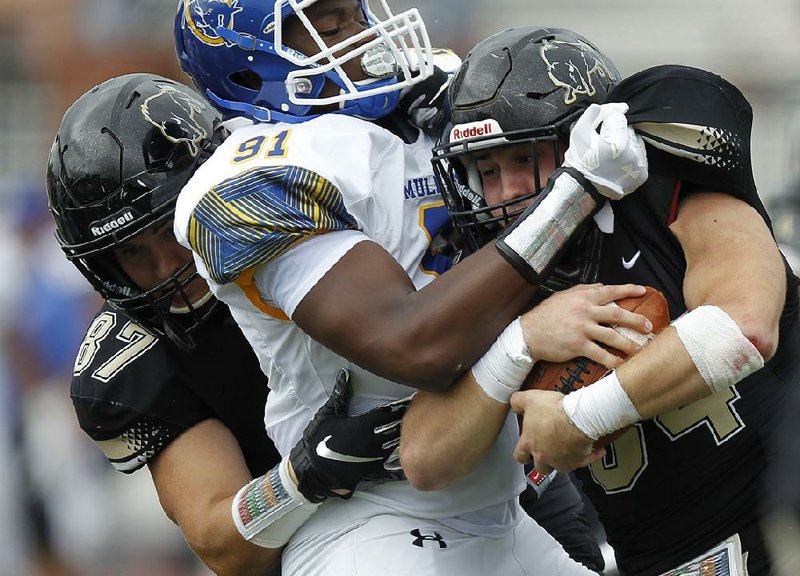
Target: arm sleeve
128	398
135	416
257	216
695	124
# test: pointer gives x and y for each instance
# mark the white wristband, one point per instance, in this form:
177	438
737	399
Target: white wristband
601	408
504	367
719	350
268	510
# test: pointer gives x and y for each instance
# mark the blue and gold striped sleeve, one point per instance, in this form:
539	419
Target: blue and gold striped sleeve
259	214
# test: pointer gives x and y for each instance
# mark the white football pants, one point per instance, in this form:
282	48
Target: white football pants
357	538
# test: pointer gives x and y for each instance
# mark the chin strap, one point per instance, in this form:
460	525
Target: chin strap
256	113
370	108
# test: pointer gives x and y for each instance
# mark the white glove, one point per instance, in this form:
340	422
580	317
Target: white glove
614	160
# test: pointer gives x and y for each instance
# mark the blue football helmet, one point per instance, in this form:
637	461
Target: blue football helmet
224	44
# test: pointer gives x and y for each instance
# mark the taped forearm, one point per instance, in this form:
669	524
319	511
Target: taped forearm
268	510
541	234
503	369
722	354
605	158
601	408
445	435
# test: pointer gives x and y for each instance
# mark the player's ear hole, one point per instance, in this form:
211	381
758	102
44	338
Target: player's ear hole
246	79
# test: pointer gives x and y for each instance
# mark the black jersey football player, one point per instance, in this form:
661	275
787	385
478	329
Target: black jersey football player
164	376
702	395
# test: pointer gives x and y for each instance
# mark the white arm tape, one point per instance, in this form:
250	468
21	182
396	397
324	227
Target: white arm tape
601	408
719	350
268	510
504	367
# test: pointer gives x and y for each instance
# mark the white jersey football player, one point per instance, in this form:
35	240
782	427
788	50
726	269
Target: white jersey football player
320	232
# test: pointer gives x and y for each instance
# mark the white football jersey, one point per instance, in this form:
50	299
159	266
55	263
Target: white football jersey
276	207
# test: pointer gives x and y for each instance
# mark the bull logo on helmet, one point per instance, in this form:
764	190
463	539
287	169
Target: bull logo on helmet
572	66
174	112
206	17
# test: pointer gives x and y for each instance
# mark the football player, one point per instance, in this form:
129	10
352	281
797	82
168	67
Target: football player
702	396
164	377
318	224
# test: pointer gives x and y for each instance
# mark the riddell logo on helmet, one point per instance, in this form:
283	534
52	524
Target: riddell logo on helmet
474	130
101	229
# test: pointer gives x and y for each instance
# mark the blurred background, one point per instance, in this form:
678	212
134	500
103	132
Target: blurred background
63	511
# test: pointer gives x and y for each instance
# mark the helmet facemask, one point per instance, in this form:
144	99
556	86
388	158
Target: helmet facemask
460	182
523	84
122	154
394	52
166	309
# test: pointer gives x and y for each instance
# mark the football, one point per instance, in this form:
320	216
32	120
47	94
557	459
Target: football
566	377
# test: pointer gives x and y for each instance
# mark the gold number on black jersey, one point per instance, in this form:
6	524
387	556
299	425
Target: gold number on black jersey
626	457
624	462
136	341
716	412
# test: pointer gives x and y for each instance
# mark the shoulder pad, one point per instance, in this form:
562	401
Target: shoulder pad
124	393
446	60
256	216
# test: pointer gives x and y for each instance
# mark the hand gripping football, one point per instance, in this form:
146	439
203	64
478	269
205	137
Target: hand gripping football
566	377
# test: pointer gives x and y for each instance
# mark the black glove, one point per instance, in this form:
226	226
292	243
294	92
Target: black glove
543	232
341	452
423	103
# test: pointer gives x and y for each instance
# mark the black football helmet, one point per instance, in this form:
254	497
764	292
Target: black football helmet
520	85
121	156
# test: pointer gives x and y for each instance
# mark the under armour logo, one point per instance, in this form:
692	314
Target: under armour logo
419	538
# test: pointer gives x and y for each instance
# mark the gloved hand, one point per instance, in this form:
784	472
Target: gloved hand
423	103
339	452
613	159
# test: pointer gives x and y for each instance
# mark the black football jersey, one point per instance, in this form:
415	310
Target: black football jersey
675	486
135	393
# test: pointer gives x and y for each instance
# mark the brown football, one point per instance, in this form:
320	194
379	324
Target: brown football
566	377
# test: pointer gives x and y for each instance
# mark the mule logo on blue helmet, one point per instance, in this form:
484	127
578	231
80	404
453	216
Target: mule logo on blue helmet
205	17
176	119
573	73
